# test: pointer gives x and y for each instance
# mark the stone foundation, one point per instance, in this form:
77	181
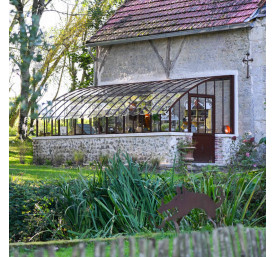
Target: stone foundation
222	148
144	146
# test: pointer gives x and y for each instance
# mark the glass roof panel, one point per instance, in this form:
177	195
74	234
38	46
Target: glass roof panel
120	99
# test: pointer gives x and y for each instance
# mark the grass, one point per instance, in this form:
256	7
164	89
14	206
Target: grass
28	171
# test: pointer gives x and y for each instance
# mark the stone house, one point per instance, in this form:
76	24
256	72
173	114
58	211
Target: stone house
165	71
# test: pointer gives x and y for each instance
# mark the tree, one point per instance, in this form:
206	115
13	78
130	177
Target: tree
80	59
27	38
29	47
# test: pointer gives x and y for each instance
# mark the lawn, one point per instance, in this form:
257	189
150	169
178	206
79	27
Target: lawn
28	171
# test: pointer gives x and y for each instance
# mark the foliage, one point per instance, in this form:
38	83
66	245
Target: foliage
79	157
244	152
27	41
12	131
69	162
81	60
155	162
22	152
103	160
28	213
58	159
182	144
155	117
39	160
48	162
244	197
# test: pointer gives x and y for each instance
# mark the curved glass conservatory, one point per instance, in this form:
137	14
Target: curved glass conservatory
198	105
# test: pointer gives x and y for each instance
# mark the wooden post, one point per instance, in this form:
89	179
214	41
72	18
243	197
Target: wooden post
160	122
113	248
208	246
254	242
151	248
163	248
39	252
222	243
75	126
215	243
59	127
99	125
75	251
106	125
249	243
132	247
227	241
52	127
124	124
170	120
36	128
262	243
241	240
82	250
51	251
99	249
44	132
234	242
82	129
196	244
176	247
121	244
142	247
90	126
15	252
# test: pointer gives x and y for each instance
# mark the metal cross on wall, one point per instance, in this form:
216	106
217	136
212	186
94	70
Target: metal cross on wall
247	60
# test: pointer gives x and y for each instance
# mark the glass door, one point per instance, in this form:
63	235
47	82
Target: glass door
202	124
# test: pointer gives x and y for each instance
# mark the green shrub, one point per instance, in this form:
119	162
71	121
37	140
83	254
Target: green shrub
69	162
103	160
123	198
58	159
79	157
12	131
31	211
39	160
155	163
244	152
48	162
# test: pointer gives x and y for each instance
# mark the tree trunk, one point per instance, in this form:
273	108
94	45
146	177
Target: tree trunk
23	111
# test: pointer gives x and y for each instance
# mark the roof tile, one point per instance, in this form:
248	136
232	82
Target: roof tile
138	18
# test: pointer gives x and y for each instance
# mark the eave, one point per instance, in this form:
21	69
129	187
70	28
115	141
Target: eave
172	34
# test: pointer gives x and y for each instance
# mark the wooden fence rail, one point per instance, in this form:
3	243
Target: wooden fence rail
222	242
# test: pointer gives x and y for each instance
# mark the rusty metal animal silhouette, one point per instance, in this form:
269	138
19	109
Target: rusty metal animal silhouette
185	201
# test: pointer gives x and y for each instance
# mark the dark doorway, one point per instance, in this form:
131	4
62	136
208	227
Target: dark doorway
202	124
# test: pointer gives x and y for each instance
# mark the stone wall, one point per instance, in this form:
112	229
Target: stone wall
222	149
144	147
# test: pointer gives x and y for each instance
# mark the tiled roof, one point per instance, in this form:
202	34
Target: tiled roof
138	18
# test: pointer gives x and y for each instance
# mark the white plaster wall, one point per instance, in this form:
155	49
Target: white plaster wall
210	54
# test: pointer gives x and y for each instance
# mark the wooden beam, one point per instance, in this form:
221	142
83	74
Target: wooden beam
159	58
